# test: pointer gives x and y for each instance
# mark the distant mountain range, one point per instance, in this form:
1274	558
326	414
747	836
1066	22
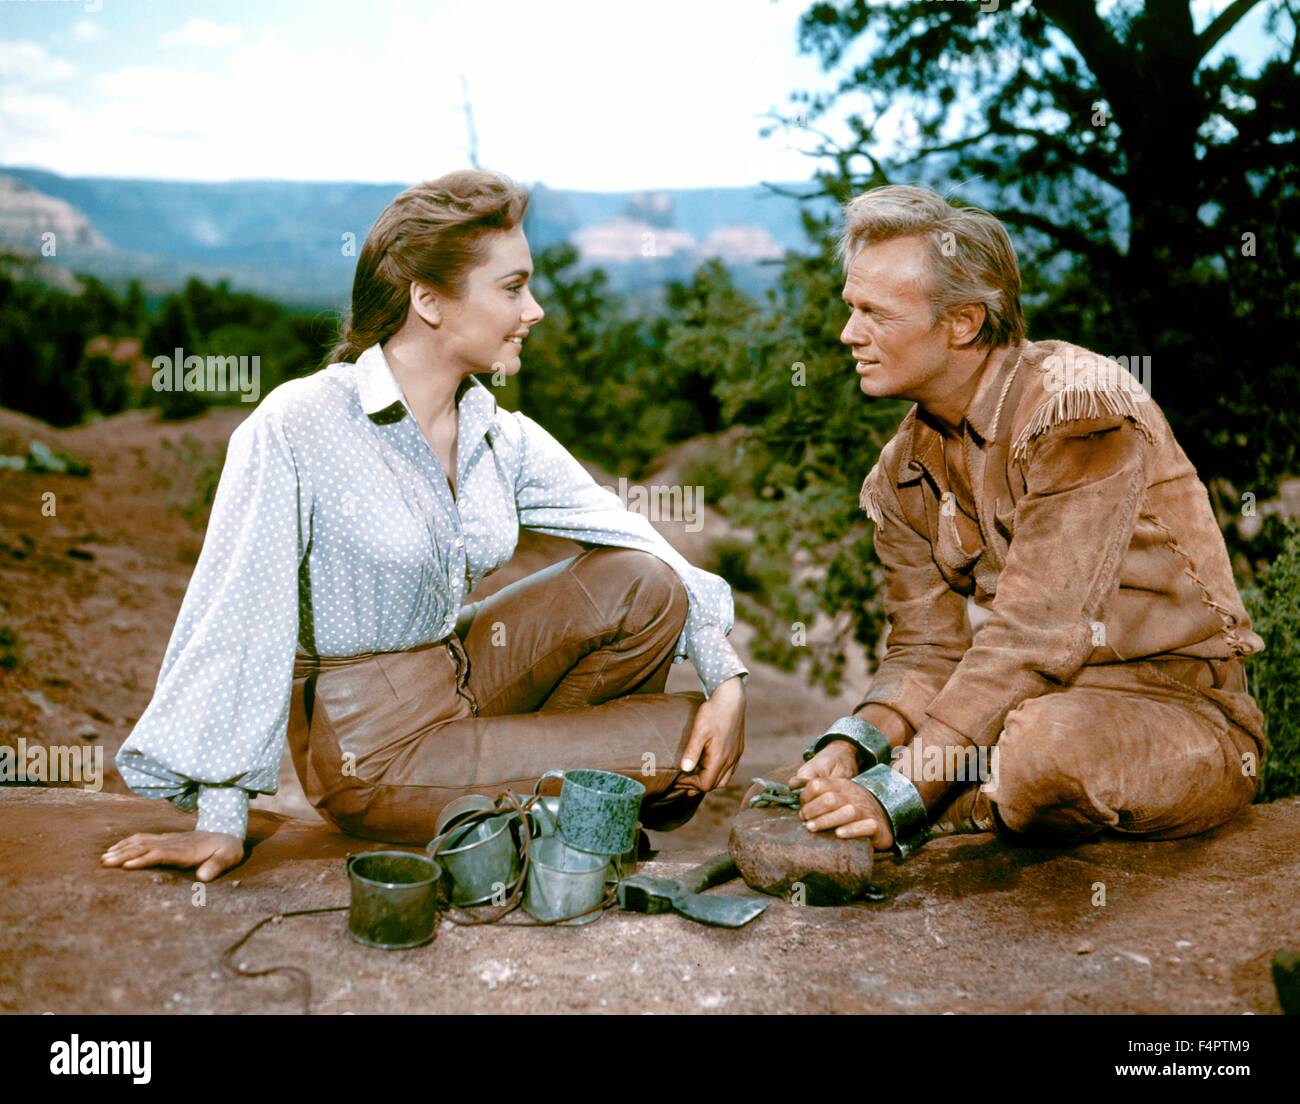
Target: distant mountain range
288	240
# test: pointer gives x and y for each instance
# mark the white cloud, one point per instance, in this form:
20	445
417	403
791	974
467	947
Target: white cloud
31	63
88	30
606	99
201	32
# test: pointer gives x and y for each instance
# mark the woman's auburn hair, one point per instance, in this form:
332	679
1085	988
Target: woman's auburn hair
433	232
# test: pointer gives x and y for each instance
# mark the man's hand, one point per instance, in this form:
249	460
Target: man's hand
717	738
842	804
838	759
211	852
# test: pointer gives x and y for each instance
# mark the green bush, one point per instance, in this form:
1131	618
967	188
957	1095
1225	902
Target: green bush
1274	674
45	331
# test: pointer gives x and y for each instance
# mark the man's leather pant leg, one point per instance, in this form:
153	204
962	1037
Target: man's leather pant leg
562	669
1145	750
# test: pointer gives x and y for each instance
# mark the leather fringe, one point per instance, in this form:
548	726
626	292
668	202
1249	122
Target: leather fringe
1074	403
869	496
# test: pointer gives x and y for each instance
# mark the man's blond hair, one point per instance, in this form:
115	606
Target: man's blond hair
970	257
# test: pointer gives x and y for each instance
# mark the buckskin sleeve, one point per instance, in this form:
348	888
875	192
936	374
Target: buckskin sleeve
928	627
1084	487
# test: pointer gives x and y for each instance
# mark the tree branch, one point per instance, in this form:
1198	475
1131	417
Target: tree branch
1079	22
1056	142
1222	24
1067	237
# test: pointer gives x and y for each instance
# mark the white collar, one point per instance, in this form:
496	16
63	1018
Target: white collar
383	402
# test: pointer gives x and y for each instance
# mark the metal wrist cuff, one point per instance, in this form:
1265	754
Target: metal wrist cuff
872	744
902	804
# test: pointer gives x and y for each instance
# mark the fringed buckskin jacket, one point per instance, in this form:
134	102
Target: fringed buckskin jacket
1095	543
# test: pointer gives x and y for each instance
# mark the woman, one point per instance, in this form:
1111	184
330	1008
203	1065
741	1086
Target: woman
357	508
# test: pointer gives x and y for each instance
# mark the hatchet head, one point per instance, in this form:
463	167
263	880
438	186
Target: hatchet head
647	893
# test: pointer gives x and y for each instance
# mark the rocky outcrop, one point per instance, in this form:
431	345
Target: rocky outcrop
27	215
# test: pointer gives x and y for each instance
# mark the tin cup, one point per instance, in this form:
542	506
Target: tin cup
394	899
545	816
481	859
564	882
598	809
458	810
624	865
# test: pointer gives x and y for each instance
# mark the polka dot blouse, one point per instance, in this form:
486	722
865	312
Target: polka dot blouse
334	532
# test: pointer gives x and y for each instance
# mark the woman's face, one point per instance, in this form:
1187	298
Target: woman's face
485	328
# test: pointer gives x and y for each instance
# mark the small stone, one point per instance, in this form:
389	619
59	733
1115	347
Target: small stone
40	701
1183	944
1133	956
235	883
1084	948
88	732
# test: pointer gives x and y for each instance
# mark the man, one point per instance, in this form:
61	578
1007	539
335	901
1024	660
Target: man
1106	689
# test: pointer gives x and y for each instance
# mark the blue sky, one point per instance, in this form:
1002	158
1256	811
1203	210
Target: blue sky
596	94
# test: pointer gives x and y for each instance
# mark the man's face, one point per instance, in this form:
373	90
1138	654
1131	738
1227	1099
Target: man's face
900	351
485	327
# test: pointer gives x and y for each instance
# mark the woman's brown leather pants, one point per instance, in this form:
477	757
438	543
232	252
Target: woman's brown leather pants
564	668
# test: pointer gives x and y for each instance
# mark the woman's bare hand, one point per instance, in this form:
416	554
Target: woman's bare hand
211	852
717	738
